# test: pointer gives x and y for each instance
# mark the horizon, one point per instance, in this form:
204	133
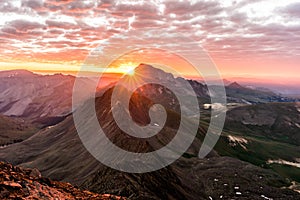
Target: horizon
279	85
92	73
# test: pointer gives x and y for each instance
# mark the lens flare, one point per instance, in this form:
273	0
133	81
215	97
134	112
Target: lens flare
127	68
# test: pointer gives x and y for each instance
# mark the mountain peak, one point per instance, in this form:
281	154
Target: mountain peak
235	85
143	67
147	70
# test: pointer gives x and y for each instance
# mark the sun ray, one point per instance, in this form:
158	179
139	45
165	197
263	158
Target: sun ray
127	68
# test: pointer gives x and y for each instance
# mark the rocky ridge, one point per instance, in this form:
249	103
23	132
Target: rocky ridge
25	183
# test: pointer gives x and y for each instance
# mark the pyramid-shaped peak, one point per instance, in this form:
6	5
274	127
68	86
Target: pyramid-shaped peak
235	85
146	68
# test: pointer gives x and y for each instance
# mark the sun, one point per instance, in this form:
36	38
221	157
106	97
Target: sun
127	68
131	72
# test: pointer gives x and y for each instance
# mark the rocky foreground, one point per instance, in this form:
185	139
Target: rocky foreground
25	183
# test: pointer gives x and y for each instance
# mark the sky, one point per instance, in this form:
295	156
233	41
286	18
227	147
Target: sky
257	38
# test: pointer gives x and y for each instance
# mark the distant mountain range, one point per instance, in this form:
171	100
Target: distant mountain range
59	154
247	95
280	85
43	99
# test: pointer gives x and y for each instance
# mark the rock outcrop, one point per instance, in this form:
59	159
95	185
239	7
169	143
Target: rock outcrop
25	183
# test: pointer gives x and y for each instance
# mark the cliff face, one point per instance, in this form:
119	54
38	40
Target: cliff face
25	183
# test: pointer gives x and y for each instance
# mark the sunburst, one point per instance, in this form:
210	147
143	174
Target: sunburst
128	68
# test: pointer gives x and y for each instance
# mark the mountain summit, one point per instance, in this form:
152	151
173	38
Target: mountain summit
235	85
150	73
148	70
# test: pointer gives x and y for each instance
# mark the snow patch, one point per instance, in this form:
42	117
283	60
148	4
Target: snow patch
246	102
235	140
295	186
214	106
267	198
284	162
298	107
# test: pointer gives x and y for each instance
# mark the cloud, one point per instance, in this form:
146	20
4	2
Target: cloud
6	7
186	7
34	4
228	29
293	10
52	24
24	25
